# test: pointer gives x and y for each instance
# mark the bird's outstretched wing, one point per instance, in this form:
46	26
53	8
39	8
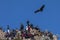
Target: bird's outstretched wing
36	11
40	10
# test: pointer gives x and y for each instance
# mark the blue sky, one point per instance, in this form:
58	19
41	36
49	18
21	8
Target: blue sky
14	12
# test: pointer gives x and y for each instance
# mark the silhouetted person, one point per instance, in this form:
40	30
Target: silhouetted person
28	26
40	10
21	27
8	29
8	32
28	22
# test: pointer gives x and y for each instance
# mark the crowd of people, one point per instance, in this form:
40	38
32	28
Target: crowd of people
29	33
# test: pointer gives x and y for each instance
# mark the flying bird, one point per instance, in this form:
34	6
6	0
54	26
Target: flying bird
40	9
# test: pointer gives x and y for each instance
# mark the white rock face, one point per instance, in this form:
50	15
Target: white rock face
2	34
55	37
